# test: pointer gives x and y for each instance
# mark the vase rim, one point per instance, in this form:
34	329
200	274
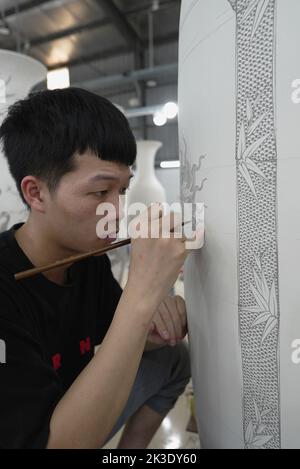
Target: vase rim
157	143
150	141
23	56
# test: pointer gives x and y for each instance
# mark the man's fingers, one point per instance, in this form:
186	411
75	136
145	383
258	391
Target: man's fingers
162	327
156	224
181	308
174	323
152	327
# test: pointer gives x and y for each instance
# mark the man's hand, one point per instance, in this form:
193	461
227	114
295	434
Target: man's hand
169	324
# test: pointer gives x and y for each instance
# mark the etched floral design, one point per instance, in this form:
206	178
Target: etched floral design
3	87
256	136
266	299
8	96
11	216
260	6
188	175
188	12
4	220
244	152
254	436
233	4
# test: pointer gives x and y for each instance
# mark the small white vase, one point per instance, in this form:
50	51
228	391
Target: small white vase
146	187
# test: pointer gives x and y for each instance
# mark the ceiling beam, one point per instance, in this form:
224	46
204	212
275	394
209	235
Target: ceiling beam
99	23
36	5
30	5
122	24
110	53
172	81
33	5
89	25
86	59
163	5
129	77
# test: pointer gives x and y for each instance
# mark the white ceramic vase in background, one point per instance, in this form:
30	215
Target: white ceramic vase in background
18	74
146	187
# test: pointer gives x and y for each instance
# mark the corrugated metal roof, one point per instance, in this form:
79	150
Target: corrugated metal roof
86	36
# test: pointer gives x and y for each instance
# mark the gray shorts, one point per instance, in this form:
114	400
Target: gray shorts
161	378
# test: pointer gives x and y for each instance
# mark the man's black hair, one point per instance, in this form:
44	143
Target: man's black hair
42	132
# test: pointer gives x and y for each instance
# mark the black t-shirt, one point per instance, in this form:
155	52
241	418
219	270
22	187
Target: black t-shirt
47	336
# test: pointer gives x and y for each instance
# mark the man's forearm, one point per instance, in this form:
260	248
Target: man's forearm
88	411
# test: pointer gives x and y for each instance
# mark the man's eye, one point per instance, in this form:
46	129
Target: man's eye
101	193
124	190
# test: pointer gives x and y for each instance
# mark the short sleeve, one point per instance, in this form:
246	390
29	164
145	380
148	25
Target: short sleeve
29	387
110	294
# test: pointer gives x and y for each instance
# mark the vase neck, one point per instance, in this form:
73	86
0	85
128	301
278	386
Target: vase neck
146	152
145	164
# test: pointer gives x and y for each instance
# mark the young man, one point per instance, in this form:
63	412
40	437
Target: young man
68	151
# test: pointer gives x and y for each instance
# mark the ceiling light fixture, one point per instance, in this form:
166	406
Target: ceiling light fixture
170	110
59	78
159	118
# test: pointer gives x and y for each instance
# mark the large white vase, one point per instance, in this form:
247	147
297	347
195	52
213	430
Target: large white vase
146	187
240	153
18	74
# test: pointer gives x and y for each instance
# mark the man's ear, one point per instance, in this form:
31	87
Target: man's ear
33	190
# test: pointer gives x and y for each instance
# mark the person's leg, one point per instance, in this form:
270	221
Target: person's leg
162	376
140	428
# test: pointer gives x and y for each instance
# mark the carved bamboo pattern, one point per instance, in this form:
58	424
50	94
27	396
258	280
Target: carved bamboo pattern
256	172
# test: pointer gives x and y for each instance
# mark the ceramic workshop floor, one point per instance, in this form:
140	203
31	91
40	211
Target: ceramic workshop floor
172	433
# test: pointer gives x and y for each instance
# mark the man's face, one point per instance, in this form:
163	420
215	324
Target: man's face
72	208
